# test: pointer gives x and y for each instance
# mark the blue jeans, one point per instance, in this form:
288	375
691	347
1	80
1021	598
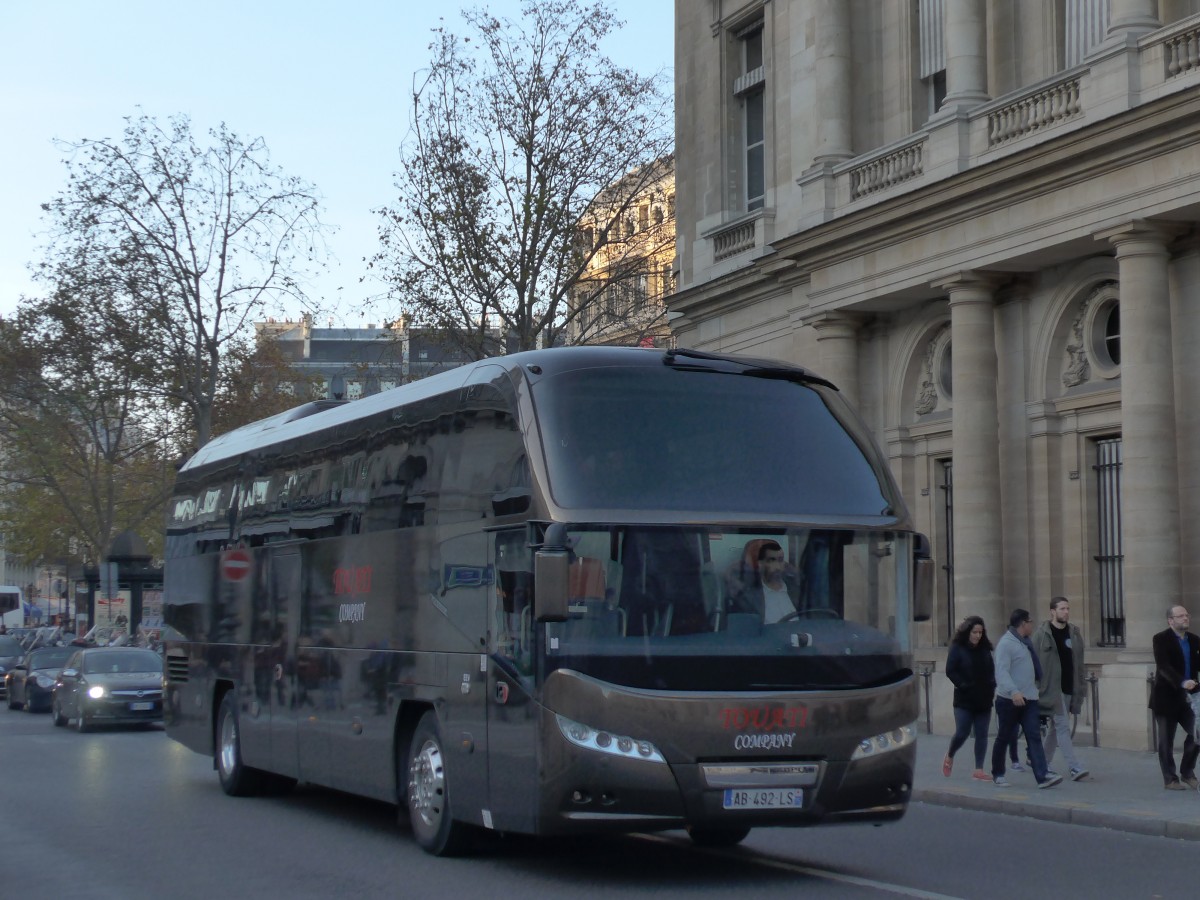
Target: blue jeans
964	721
1010	718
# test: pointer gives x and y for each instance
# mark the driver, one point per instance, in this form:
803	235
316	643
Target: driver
772	589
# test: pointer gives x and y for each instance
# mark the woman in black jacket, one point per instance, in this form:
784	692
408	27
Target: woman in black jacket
973	672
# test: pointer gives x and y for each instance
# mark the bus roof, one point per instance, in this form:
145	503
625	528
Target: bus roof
319	415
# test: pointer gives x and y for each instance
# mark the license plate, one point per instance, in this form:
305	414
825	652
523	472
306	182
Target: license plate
139	706
773	798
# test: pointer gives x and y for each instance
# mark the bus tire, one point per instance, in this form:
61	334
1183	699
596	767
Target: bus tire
428	795
717	837
237	778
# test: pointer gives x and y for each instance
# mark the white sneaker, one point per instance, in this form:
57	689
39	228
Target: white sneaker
1016	767
1077	774
1000	781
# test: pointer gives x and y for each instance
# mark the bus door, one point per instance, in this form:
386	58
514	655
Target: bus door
286	585
512	712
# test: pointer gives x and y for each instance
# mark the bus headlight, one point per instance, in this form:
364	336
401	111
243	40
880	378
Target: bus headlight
889	740
606	741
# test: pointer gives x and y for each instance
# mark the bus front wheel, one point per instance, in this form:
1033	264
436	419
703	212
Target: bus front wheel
237	778
428	794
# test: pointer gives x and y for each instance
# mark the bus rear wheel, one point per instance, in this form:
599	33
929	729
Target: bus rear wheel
428	794
237	778
717	837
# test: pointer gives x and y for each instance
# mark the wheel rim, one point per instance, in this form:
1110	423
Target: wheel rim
427	789
227	757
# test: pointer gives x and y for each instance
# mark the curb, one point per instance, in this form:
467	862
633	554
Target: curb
1146	822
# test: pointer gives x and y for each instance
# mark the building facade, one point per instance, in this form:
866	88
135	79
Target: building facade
628	239
348	363
980	220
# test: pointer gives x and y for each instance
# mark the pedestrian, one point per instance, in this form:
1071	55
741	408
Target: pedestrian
1017	674
1176	665
1014	759
969	666
1061	689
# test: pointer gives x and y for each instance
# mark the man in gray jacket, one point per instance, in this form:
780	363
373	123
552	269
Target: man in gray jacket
1017	674
1061	689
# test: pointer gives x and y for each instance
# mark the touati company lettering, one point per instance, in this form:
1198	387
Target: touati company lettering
764	718
764	727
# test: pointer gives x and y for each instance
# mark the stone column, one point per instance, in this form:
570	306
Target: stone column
837	352
1132	17
834	95
1185	331
978	536
966	54
1149	475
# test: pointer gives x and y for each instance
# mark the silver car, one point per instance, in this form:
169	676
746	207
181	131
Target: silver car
109	685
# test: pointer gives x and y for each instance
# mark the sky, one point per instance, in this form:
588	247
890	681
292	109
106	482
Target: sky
323	83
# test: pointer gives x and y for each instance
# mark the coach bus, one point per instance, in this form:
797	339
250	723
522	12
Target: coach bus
525	595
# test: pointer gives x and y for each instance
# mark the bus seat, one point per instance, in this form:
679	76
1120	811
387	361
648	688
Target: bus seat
586	580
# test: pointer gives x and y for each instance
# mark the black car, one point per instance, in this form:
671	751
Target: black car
30	683
11	653
109	685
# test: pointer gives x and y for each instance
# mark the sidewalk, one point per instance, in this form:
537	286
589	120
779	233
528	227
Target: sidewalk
1124	790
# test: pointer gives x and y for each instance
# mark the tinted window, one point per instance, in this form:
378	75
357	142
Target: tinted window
9	646
122	661
647	438
50	658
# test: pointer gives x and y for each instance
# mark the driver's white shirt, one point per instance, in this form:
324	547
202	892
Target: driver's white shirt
777	604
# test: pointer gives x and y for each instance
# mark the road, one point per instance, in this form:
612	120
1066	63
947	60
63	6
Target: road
130	814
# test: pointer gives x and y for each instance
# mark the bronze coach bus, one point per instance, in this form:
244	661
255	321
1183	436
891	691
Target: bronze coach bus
524	595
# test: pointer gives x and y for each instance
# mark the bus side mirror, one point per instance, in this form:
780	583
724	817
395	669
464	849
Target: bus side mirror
923	573
551	569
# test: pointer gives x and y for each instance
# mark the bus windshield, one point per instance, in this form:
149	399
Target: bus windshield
663	438
705	610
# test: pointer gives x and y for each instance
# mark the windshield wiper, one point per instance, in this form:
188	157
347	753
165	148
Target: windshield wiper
755	368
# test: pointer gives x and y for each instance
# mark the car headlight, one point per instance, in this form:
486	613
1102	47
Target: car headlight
45	682
889	740
95	692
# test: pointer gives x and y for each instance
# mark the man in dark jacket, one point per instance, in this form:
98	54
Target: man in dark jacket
1176	667
770	588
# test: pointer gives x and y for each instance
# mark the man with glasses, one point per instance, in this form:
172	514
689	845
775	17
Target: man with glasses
1176	668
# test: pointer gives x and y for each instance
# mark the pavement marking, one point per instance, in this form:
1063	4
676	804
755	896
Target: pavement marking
782	865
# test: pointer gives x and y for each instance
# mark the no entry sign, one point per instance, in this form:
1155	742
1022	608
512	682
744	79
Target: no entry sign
235	564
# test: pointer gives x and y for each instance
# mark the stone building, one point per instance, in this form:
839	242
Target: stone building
355	362
979	219
628	239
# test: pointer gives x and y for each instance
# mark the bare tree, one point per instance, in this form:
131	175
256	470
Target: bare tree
83	457
515	132
192	242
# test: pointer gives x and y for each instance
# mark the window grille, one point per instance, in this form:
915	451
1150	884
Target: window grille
947	488
1109	558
